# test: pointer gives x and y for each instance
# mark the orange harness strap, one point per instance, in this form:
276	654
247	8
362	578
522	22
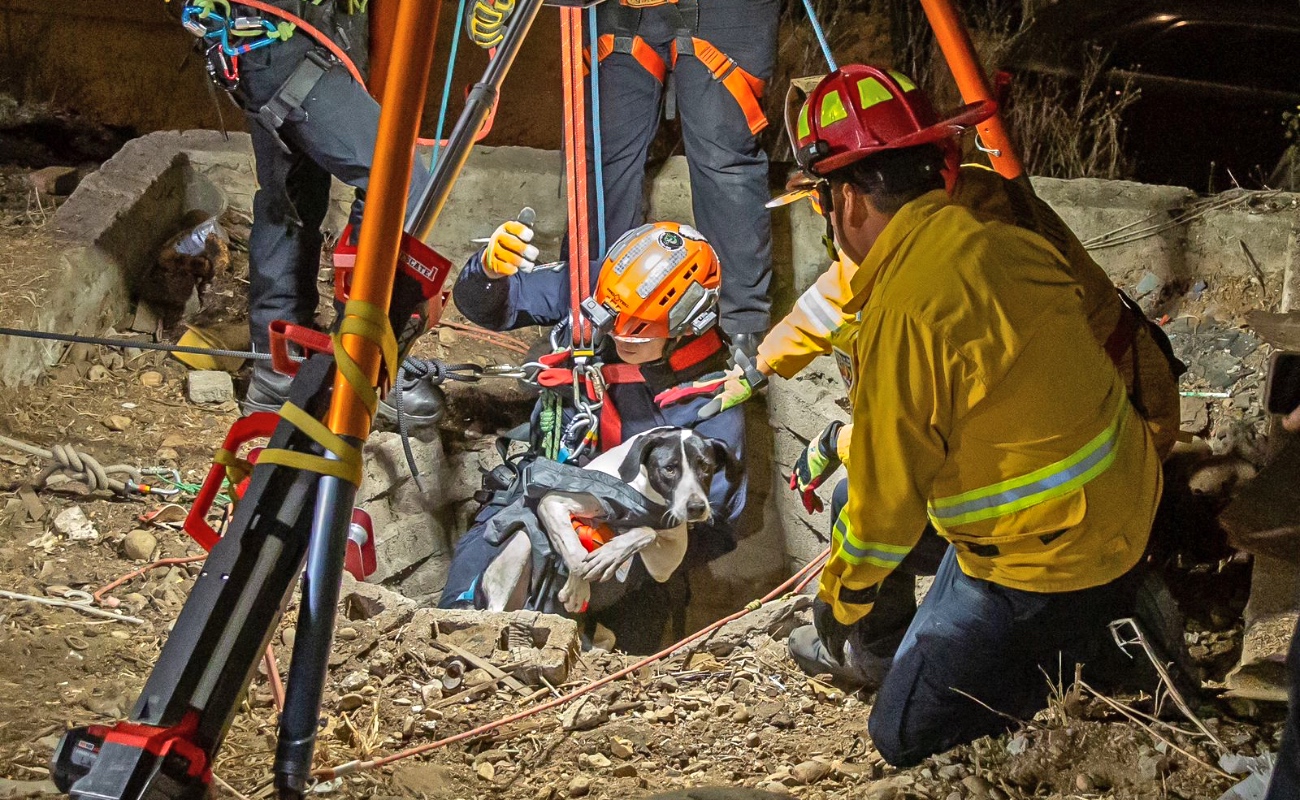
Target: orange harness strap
644	54
747	89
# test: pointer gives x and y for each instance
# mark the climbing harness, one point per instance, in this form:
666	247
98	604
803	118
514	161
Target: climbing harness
625	22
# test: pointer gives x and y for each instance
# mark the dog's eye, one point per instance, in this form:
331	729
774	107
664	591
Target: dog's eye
670	471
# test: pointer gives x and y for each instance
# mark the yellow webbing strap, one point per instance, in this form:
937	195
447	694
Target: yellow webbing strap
236	468
348	465
367	321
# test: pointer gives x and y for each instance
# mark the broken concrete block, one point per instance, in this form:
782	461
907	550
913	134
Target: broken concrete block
550	650
73	523
412	544
210	386
55	181
775	619
384	608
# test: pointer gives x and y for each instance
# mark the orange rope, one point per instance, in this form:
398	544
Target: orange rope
575	166
802	577
492	337
162	562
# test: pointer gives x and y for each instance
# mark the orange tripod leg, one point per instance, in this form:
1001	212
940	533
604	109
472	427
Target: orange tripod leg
954	42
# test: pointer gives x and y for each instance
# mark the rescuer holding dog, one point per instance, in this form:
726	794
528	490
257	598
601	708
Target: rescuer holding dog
655	303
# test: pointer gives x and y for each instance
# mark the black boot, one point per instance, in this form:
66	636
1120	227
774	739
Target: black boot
416	393
746	343
267	389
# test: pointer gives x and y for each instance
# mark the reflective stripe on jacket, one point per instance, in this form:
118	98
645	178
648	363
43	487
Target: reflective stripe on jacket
984	402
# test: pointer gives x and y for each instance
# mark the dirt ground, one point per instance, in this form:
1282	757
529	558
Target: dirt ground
748	718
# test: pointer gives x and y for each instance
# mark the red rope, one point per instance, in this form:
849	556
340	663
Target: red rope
575	166
800	578
491	337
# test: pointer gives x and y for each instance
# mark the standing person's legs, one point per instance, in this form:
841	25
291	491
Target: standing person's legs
630	100
729	170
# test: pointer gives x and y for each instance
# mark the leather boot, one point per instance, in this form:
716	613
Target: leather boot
423	403
861	668
267	389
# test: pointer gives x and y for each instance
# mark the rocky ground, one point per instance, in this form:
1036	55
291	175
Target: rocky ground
730	711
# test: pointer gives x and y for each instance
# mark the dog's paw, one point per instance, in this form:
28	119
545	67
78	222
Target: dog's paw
603	563
574	594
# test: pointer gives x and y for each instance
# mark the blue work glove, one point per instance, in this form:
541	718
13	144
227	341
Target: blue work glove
833	633
815	464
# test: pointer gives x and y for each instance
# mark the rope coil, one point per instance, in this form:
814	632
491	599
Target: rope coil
79	466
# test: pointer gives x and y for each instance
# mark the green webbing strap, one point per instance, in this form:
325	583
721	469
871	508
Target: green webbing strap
348	465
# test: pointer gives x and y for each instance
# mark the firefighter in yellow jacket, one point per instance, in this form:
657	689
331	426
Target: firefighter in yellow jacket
984	404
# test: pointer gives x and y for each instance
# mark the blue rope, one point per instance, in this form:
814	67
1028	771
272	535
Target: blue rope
821	35
597	147
446	84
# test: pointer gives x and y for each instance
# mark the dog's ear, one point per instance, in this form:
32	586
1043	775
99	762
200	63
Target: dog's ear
639	451
726	461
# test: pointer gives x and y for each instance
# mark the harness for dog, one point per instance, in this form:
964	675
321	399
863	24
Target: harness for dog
625	22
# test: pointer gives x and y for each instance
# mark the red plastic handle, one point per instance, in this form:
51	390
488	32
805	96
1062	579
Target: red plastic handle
259	425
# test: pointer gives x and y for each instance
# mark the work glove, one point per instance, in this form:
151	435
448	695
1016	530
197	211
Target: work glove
833	633
508	250
815	464
487	20
737	385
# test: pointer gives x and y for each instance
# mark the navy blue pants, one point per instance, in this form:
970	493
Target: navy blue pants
728	168
1285	784
975	639
335	135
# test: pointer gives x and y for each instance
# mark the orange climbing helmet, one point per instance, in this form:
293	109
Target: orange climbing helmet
658	281
858	111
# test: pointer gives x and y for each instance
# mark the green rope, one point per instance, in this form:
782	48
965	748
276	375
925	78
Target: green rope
549	419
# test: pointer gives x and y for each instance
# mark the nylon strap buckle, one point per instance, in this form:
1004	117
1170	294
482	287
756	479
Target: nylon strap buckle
287	101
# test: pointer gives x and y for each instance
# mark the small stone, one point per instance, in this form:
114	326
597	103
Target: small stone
210	386
351	702
346	634
782	721
176	440
1084	783
752	739
977	786
167	454
584	715
486	771
621	748
625	771
952	772
810	772
117	422
598	761
73	523
353	681
139	545
97	373
741	715
151	379
1152	768
545	793
289	635
580	786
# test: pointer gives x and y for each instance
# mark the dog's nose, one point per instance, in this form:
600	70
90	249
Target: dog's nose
696	509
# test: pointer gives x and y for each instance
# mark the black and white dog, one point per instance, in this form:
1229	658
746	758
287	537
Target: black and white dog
673	467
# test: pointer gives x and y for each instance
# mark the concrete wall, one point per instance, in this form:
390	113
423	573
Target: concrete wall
155	177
